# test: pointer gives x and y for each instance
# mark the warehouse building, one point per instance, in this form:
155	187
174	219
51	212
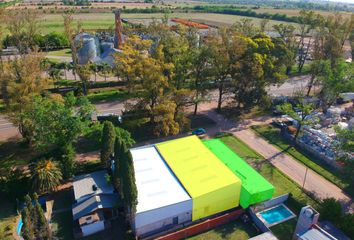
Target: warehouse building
255	188
212	186
162	200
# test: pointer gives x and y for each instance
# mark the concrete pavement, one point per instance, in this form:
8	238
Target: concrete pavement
315	183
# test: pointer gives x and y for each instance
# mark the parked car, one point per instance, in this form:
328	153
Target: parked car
199	132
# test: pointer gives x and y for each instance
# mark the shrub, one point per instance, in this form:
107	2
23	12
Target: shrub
330	209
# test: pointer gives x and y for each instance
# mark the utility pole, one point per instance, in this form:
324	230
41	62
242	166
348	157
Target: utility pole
303	184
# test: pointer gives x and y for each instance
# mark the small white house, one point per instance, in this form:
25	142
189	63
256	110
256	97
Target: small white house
94	203
162	201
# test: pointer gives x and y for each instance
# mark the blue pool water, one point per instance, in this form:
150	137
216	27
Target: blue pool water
276	214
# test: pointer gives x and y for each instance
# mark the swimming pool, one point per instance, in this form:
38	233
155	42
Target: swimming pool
275	215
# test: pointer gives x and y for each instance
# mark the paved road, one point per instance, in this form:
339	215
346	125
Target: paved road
8	131
295	170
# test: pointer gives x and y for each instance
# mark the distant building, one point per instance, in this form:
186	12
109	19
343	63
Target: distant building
100	47
308	227
95	200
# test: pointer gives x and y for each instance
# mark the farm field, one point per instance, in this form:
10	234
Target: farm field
53	22
295	12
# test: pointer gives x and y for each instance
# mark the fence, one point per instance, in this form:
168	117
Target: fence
268	204
308	150
203	226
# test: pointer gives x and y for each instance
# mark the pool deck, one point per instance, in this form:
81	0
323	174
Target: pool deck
260	217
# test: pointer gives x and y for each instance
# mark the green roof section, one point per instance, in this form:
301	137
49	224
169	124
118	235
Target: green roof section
255	188
212	186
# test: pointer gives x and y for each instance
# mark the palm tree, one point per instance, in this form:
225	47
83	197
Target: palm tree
46	176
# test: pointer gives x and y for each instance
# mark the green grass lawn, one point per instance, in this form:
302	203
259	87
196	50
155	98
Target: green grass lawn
63	52
7	218
285	230
235	230
62	225
281	182
272	135
107	96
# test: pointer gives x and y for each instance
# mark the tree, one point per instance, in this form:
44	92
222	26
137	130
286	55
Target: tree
127	182
84	73
105	69
23	27
108	138
301	116
67	160
148	75
219	50
334	80
21	80
287	34
199	74
307	22
35	225
255	65
45	176
56	122
330	209
345	146
43	229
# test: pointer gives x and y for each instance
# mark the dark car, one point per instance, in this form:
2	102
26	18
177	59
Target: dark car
199	132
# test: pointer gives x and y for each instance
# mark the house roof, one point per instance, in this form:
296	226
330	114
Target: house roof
94	203
84	185
198	169
265	236
314	234
156	184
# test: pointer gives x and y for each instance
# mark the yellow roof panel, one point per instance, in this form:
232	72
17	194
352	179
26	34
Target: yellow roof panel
198	169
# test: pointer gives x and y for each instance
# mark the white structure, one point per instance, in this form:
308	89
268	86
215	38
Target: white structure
87	185
162	201
95	202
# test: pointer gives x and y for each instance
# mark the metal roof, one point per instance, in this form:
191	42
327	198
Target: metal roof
94	203
314	234
212	186
265	236
255	188
199	170
157	186
83	185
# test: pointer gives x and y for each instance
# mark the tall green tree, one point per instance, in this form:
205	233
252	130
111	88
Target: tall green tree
129	189
35	225
21	80
108	138
334	80
302	116
307	22
345	146
23	26
56	122
45	176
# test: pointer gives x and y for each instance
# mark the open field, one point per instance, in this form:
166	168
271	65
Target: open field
54	22
295	12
